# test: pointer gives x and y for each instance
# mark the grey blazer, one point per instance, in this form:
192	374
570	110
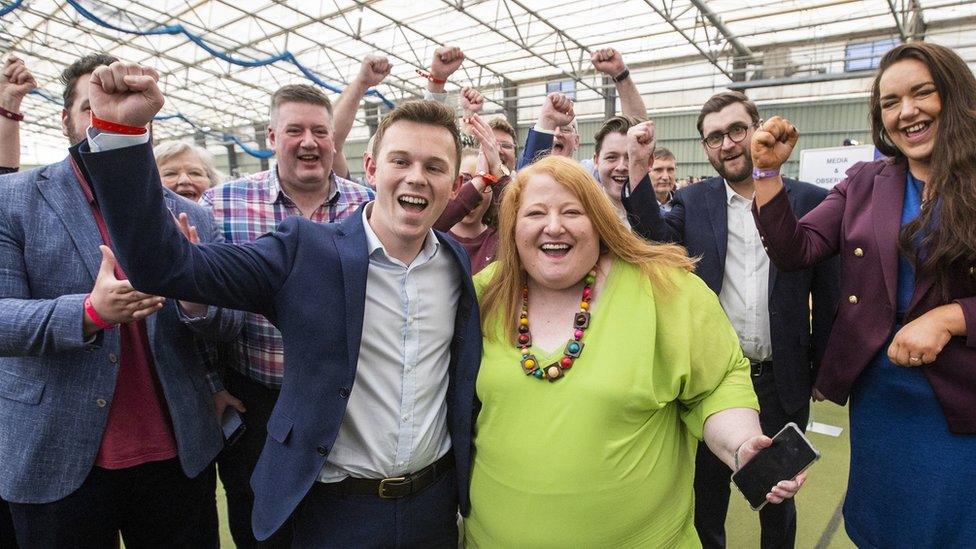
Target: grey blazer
56	389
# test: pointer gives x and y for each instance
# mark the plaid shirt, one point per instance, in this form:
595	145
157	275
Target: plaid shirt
247	208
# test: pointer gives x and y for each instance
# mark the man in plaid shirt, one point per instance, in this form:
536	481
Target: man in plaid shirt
302	182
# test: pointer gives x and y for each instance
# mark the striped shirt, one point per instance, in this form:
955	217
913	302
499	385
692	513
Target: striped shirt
247	208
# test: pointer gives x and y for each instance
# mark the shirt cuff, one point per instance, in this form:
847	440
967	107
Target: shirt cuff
540	129
102	141
439	97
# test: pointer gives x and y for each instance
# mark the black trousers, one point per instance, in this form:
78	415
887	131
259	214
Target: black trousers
153	505
236	463
7	538
425	520
712	484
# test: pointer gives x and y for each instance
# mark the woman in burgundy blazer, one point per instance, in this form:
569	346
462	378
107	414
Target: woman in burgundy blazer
903	344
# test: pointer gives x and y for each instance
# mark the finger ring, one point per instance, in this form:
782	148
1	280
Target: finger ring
914	358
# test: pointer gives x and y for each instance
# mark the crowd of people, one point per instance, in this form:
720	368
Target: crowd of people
475	344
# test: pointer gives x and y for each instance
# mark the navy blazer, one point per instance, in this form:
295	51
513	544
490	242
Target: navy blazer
698	220
537	145
56	389
309	280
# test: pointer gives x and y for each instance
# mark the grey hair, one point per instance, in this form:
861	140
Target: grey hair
168	149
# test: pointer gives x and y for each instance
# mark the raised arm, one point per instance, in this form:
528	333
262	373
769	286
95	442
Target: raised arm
148	243
16	81
609	62
643	209
557	110
791	244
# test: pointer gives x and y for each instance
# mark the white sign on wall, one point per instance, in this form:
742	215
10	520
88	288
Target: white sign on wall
826	167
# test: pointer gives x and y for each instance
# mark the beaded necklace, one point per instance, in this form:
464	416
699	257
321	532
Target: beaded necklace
574	347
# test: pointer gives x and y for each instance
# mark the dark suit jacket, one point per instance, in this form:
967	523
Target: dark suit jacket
861	220
537	145
698	220
309	280
55	388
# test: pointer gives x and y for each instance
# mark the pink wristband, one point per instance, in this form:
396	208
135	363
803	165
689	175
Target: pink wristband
90	311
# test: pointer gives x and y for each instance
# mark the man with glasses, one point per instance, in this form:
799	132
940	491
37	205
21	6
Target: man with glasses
769	310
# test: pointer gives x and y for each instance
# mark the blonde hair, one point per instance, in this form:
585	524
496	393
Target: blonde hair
502	295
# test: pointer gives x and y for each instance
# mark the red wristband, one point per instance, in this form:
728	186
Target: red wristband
113	127
15	116
431	77
90	311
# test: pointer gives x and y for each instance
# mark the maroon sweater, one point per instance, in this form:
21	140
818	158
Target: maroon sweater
482	248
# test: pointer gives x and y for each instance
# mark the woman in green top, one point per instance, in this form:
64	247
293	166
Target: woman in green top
591	442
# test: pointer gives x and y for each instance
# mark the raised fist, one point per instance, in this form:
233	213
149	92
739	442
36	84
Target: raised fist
640	151
16	80
125	93
557	110
608	61
374	69
446	60
472	102
772	143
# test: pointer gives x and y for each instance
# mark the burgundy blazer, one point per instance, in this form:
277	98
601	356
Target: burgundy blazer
860	220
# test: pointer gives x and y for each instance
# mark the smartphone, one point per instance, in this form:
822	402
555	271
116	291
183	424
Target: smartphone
789	455
232	424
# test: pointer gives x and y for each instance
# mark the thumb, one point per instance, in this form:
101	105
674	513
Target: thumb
107	267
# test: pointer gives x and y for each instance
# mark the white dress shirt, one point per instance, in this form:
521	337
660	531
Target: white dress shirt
745	285
396	419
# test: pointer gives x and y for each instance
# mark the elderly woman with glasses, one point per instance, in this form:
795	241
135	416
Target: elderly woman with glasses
605	360
186	169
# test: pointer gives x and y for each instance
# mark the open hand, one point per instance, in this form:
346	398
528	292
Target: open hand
125	93
116	301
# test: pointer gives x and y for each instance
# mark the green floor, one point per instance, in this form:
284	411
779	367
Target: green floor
819	525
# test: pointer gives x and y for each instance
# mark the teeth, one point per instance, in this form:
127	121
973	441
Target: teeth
414	200
547	247
621	178
916	128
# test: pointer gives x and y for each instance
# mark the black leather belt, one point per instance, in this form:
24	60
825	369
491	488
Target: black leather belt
394	487
758	367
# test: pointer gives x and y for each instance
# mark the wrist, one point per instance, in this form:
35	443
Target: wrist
546	124
735	456
11	102
92	315
621	76
214	383
116	127
764	173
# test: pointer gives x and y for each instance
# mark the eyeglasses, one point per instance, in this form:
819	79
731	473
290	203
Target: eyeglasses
736	133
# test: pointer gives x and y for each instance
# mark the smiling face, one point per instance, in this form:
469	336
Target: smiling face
557	243
731	160
414	171
612	164
185	174
565	140
910	107
301	136
506	148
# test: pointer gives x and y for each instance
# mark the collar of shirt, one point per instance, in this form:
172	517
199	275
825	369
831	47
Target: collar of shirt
276	193
429	250
732	197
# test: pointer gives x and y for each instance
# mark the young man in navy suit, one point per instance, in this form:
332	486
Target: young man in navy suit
769	310
369	443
